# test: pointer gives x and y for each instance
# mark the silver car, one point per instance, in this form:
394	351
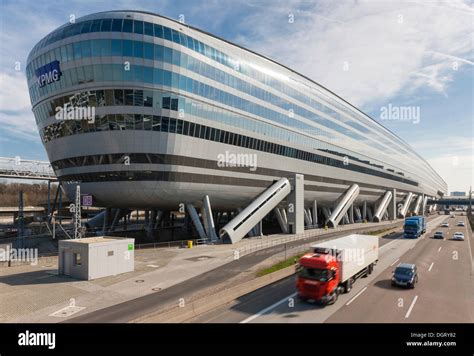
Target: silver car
458	236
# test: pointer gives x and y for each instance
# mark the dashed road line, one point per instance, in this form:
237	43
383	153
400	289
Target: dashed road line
362	291
394	262
267	309
431	266
411	307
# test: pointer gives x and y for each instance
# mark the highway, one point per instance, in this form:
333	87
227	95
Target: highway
445	292
139	307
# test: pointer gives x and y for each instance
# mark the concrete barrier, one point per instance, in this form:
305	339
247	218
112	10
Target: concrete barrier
177	314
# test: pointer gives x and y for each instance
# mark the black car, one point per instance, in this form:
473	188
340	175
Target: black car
405	275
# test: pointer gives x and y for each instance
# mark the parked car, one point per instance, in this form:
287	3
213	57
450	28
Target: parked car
438	235
460	223
405	275
445	224
458	236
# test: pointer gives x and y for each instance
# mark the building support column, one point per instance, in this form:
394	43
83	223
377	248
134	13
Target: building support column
281	221
382	206
197	222
392	206
296	205
343	204
209	220
406	205
351	214
369	214
418	203
315	214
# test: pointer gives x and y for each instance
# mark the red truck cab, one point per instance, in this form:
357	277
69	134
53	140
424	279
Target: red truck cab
318	277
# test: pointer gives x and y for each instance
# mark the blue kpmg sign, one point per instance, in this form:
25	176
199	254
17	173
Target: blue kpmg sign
48	73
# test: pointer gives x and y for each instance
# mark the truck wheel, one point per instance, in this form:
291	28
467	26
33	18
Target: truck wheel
367	272
348	286
371	268
333	298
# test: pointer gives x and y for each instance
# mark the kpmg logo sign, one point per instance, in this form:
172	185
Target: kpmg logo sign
48	73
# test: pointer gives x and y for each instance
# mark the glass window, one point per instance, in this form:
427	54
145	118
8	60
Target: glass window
106	48
175	36
138	49
167	33
118	97
127	48
77	50
166	102
179	127
148	75
167	56
117	70
100	97
147	122
138	97
95	48
158	53
158	30
128	26
148	28
129	122
109	97
148	50
172	127
147	98
174	104
138	27
176	57
86	49
106	25
86	26
117	25
138	122
116	47
138	74
165	124
89	74
167	78
95	27
156	123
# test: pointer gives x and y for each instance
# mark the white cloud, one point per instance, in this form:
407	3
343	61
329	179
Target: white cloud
451	157
16	116
390	47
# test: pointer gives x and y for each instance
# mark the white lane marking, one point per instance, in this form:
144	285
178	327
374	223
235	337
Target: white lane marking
394	262
411	307
267	309
362	291
439	249
431	266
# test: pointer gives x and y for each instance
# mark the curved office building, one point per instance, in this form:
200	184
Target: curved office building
156	113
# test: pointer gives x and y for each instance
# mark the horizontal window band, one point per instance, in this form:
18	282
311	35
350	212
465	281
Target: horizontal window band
184	177
154	158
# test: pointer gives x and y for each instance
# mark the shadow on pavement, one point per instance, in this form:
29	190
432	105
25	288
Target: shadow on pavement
34	277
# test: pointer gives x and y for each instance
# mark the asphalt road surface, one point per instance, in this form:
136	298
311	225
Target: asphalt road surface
445	292
133	309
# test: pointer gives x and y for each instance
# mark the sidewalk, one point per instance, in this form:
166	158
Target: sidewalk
33	293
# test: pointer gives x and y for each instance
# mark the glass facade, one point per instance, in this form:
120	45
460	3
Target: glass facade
178	72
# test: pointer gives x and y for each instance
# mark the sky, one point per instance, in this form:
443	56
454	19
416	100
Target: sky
381	56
